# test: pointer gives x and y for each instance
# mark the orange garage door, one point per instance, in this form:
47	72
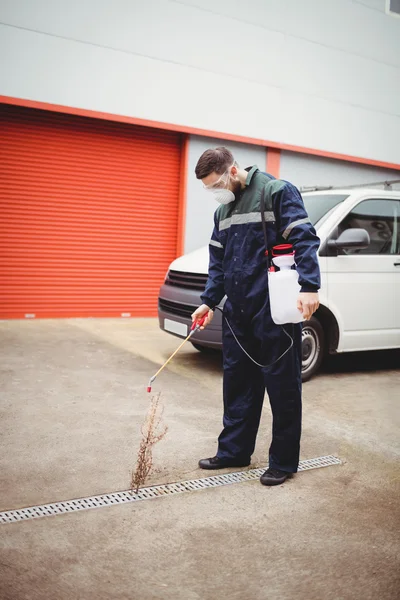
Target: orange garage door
89	215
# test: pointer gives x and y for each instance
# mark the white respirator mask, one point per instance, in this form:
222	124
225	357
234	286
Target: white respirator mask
223	196
219	189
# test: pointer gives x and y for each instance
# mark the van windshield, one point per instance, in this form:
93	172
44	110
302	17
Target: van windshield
317	206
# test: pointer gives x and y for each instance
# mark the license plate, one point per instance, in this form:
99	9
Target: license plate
174	327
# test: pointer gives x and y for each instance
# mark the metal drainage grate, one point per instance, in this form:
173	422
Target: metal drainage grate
167	489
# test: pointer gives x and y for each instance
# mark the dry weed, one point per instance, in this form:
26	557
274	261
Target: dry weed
152	432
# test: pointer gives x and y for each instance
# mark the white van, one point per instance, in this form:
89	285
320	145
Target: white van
360	279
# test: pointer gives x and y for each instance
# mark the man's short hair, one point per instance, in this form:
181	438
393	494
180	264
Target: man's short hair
216	160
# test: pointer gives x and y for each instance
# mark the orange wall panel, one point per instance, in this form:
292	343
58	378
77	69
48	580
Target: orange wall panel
273	161
89	214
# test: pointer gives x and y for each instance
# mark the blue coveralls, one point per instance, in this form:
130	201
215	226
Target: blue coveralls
238	269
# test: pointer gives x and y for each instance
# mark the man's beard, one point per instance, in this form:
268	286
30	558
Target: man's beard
236	188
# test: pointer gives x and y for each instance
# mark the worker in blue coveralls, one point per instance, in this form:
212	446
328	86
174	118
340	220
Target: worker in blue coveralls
238	269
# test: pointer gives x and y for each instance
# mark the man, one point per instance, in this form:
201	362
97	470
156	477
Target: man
238	269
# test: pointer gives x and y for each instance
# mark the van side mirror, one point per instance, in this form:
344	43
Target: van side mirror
350	238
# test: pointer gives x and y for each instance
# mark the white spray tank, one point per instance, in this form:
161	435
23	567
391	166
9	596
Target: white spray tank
284	288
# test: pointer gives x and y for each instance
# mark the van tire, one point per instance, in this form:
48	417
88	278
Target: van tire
313	348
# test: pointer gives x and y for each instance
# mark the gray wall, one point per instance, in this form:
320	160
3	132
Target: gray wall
305	170
200	206
319	74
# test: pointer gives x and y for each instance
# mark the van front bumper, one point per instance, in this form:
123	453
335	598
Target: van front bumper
176	305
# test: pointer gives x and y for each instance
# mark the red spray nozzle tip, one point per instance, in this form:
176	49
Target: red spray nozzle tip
149	388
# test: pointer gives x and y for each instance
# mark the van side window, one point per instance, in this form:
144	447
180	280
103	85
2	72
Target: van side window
381	218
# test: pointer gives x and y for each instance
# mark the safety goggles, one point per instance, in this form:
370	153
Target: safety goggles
221	182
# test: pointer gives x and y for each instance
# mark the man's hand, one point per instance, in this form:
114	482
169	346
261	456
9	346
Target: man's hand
200	312
307	303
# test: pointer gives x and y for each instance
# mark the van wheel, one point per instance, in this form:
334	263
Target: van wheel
313	348
204	349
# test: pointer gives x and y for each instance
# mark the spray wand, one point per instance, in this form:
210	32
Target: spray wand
195	327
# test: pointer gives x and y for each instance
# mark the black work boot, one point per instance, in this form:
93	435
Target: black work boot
222	463
274	477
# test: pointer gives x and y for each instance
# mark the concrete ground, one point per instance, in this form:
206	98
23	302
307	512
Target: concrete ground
72	402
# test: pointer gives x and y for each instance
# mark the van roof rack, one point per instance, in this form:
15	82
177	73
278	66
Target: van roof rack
319	188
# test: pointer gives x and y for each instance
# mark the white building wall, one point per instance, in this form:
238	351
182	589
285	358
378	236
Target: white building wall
311	73
200	204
